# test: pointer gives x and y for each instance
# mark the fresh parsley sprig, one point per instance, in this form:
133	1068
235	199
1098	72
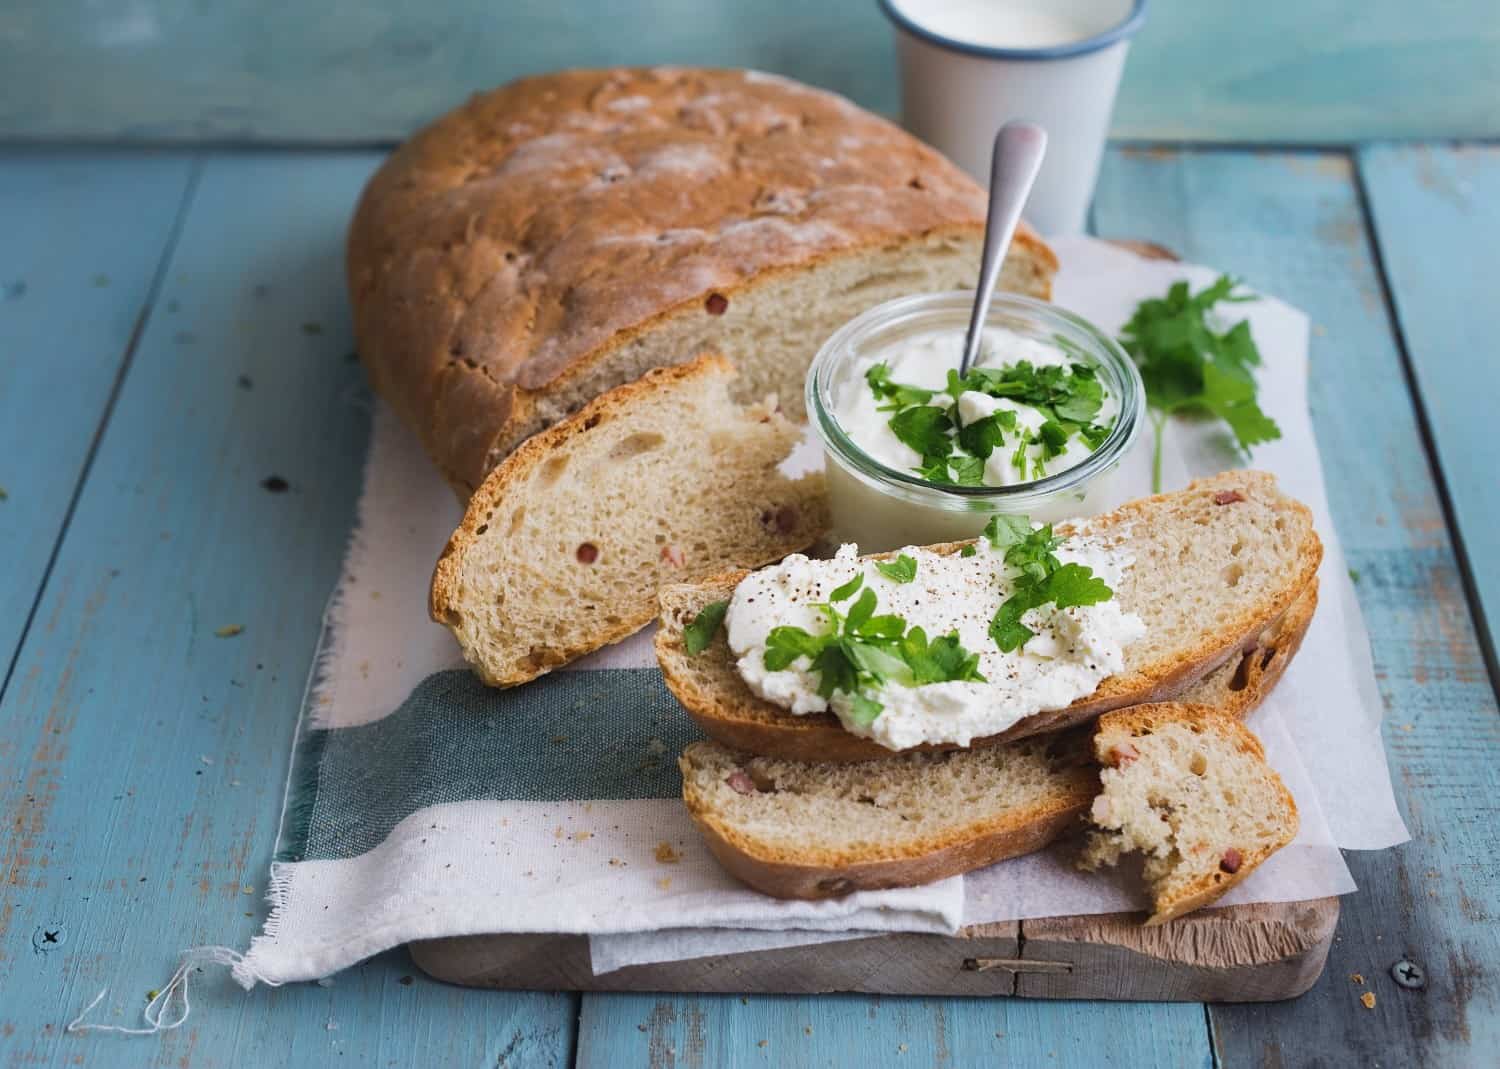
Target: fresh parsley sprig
1043	578
862	650
1186	365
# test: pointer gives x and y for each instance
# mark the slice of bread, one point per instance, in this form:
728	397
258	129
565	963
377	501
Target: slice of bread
1189	788
798	830
563	548
816	830
1215	566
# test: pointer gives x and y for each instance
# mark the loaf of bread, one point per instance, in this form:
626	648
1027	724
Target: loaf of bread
1189	788
1216	566
564	234
563	547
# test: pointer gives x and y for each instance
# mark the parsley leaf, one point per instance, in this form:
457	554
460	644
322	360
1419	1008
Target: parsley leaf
1043	579
848	590
901	570
879	378
1003	530
968	551
984	436
926	429
697	635
1186	365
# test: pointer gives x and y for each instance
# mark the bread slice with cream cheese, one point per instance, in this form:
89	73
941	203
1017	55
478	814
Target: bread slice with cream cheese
797	829
563	548
1215	565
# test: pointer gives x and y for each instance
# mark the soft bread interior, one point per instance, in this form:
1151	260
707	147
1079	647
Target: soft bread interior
563	548
1189	789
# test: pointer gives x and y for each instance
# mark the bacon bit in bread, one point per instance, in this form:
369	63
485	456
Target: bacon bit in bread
1122	754
1231	860
666	854
740	782
782	520
588	553
717	304
1228	497
673	556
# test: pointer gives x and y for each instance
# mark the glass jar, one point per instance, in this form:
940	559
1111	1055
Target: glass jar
883	508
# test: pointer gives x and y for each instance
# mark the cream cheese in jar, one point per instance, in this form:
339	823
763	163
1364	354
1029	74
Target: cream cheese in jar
916	456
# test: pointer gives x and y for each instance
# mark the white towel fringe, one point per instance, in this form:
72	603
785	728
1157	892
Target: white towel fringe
159	1013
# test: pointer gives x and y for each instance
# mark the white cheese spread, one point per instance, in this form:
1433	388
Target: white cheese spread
1072	650
923	360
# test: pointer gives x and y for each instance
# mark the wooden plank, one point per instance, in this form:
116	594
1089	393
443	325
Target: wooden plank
1436	214
850	1030
364	71
144	757
1254	952
1291	224
84	238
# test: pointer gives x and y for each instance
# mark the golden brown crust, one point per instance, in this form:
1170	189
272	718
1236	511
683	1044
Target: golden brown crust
524	238
1238	686
731	713
445	597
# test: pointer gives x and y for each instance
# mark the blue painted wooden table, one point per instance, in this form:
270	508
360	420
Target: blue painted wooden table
173	334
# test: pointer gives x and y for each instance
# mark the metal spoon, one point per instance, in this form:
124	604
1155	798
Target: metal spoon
1019	148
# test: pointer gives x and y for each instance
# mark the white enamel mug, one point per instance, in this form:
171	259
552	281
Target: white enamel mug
970	66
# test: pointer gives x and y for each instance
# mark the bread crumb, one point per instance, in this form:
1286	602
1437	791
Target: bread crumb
900	1048
229	630
666	854
616	862
1357	977
580	836
807	1030
664	883
1368	998
557	833
762	1043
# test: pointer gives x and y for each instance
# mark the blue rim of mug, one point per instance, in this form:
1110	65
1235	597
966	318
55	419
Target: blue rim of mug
1119	32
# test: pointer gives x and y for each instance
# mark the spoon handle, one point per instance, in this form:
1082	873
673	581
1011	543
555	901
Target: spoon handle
1019	148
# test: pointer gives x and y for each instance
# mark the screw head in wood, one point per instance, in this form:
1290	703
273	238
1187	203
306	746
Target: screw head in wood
1409	975
49	937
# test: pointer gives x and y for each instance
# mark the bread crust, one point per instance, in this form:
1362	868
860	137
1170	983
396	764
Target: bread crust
515	246
513	475
735	716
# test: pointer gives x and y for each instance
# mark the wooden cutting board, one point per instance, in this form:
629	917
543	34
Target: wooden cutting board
1254	953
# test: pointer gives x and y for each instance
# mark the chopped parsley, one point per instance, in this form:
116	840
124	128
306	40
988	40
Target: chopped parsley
697	635
1187	366
901	570
954	453
861	651
1043	579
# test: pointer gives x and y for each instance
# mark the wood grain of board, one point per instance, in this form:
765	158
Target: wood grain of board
84	238
144	755
1436	215
1291	224
366	71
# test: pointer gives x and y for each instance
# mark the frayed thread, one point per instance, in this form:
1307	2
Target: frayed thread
170	1007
